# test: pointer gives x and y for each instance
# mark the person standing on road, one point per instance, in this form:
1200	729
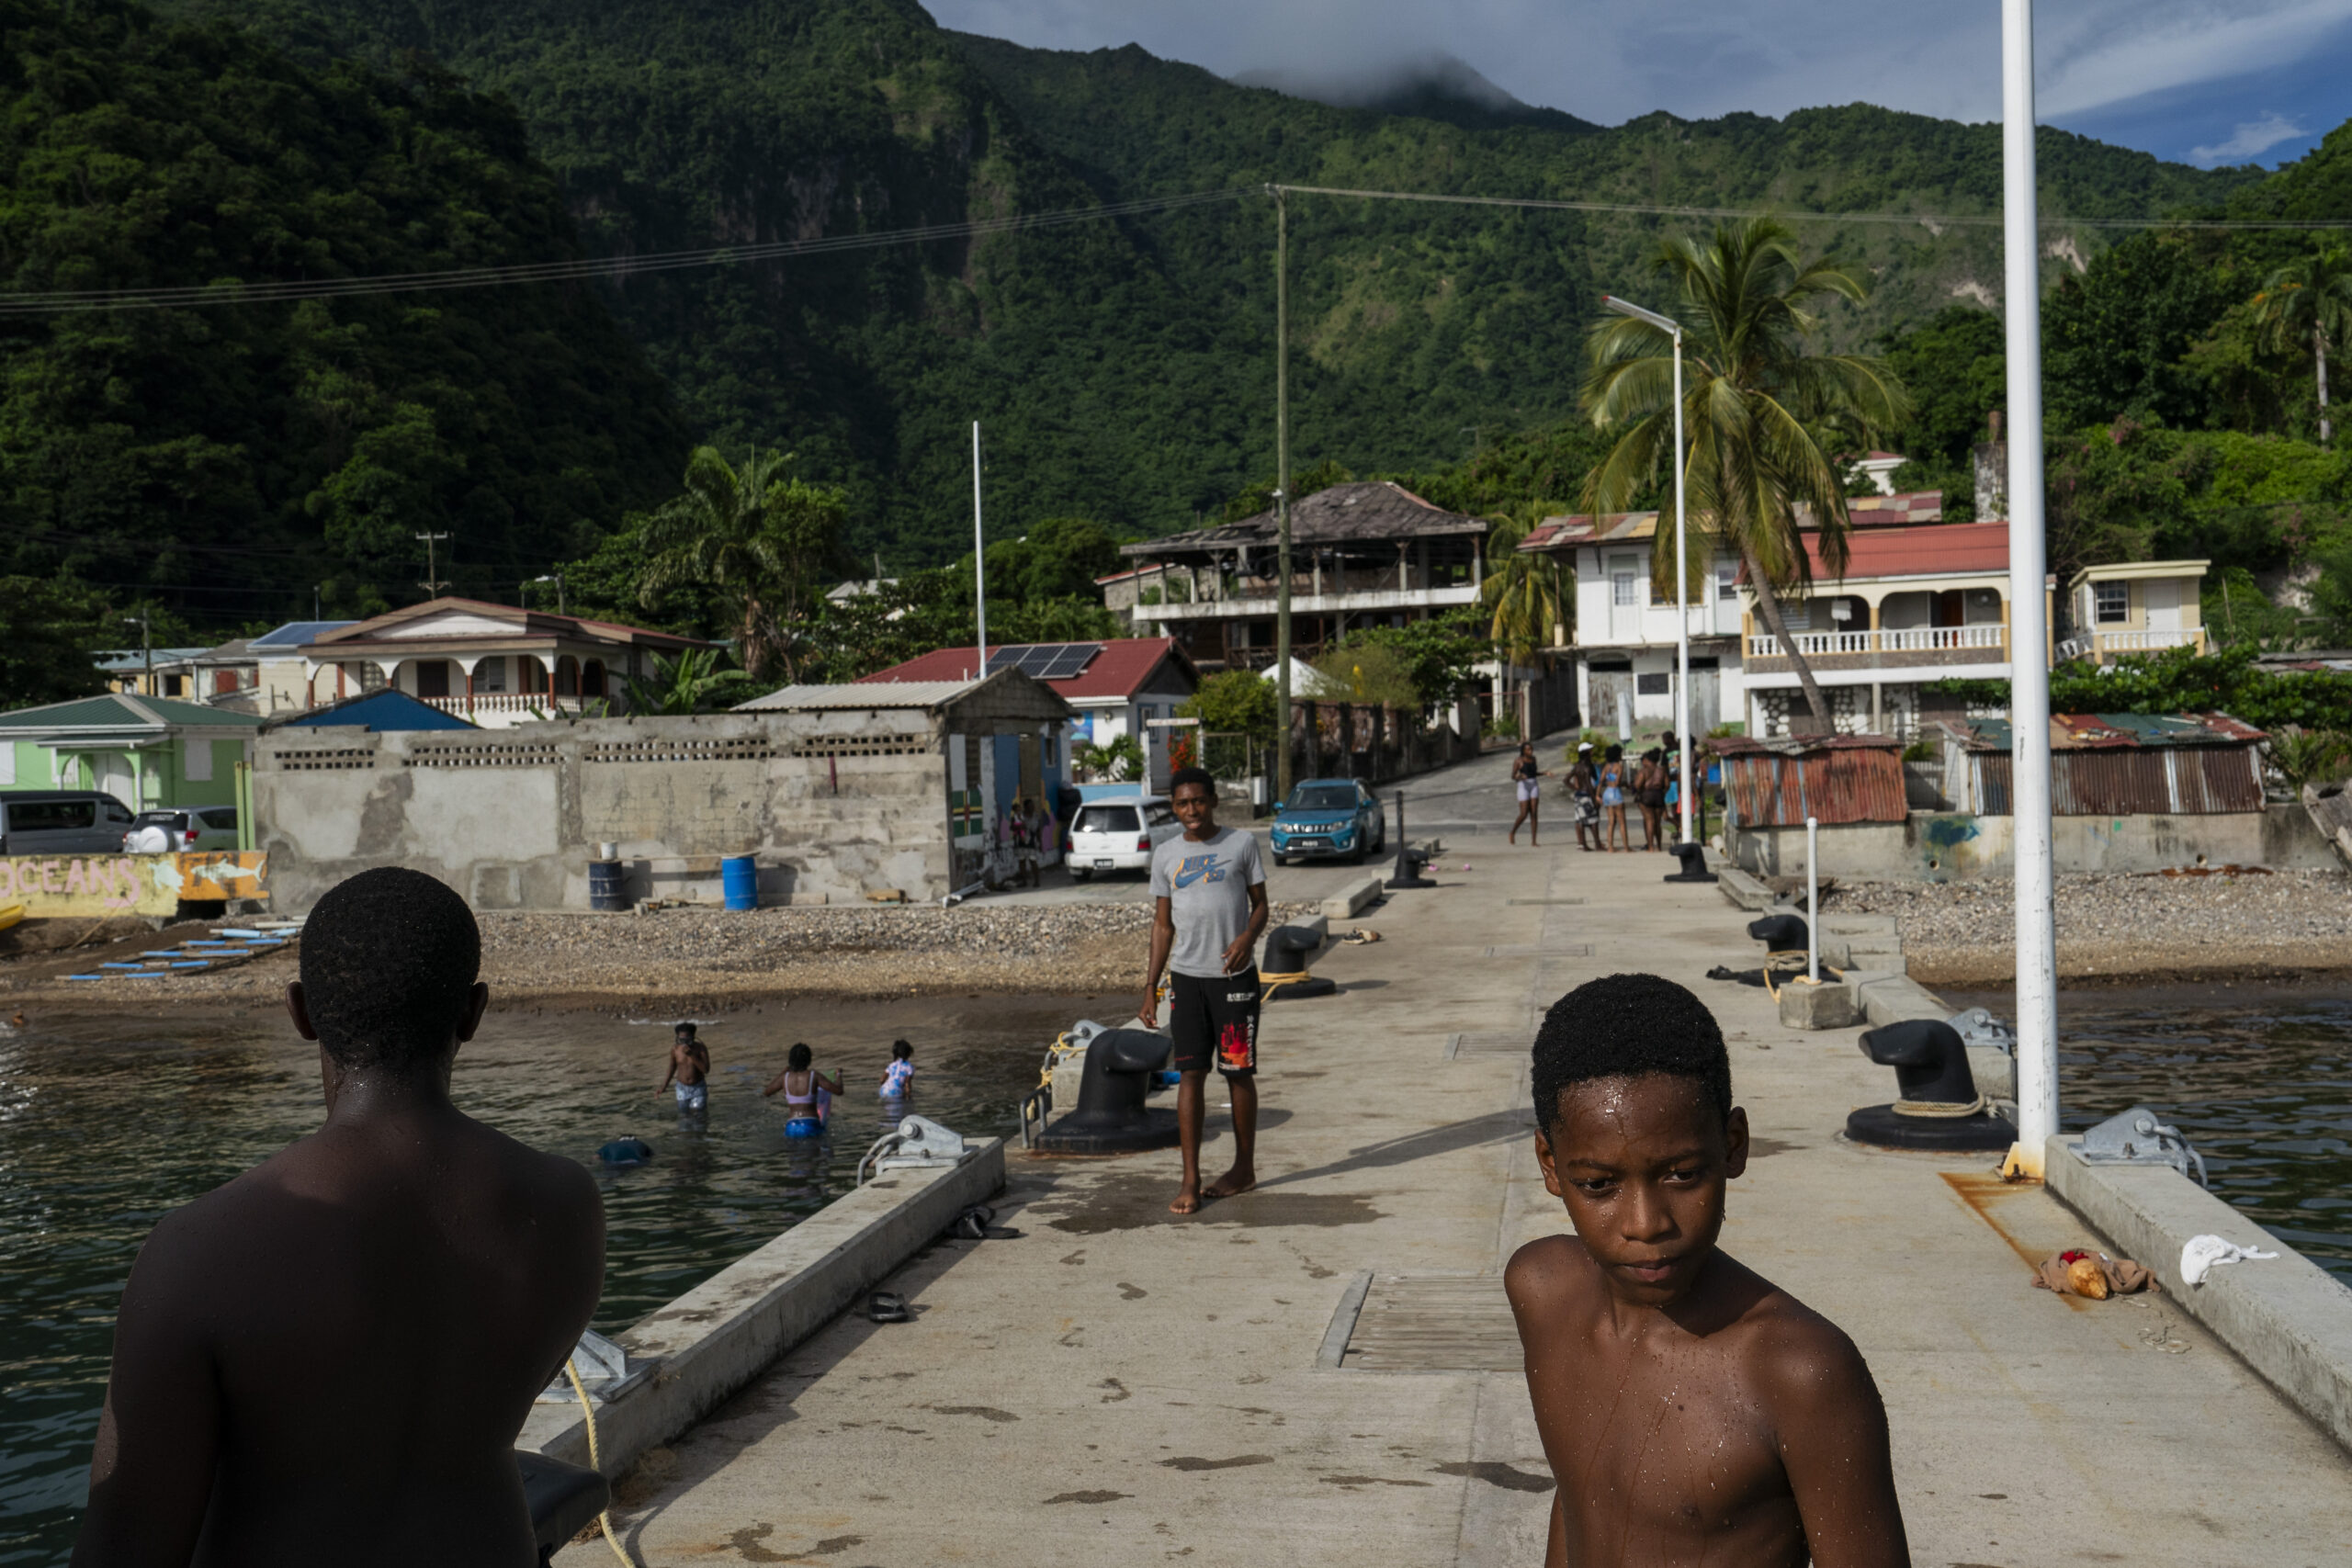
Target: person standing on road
1584	794
1208	890
1525	778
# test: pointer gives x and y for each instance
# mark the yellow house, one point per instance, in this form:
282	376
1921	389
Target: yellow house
2144	606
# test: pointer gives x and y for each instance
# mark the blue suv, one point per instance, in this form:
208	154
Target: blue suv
1328	819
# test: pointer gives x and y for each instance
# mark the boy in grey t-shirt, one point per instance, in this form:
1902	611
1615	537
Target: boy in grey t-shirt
1208	909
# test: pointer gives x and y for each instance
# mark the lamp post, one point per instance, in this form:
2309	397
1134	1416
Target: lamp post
1681	562
556	578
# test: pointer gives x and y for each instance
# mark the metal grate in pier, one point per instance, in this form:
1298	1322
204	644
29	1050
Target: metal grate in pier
1433	1323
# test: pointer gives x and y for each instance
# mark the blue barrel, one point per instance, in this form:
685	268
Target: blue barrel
738	876
604	885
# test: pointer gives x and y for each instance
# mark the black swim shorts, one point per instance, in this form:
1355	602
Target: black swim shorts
1215	1022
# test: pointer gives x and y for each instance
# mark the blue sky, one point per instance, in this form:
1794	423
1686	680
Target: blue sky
2200	81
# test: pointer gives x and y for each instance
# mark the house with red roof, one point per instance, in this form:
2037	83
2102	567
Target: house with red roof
1119	687
496	665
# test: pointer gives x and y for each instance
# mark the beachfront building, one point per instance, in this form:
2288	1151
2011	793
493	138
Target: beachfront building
494	665
1361	554
148	752
836	794
152	671
1124	686
262	675
1624	640
2141	606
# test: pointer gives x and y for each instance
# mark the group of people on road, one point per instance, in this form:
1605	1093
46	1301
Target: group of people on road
1601	787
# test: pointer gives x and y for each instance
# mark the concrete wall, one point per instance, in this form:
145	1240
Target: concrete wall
838	804
1949	847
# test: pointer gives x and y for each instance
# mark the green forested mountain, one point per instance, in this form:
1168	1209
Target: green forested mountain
239	457
1124	369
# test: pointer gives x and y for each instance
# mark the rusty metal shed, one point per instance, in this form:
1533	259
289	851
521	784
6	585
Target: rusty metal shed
2193	764
1832	778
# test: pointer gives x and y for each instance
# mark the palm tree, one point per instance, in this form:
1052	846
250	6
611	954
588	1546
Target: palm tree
757	537
2310	301
1525	592
1753	396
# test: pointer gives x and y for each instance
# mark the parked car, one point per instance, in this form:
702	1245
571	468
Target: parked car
1328	819
1118	835
60	822
192	828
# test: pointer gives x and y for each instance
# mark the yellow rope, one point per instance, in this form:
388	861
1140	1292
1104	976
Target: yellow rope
604	1515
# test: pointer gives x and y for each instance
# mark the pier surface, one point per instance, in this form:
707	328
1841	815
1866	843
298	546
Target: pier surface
1120	1385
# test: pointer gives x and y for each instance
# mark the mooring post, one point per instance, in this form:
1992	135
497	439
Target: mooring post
1812	899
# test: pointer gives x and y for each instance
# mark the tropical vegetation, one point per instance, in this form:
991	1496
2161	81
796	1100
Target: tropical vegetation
1756	391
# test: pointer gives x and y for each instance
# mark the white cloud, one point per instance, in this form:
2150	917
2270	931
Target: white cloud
1606	61
2250	141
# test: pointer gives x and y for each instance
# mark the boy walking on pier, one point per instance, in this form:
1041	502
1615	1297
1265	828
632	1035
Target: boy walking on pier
1208	909
1691	1411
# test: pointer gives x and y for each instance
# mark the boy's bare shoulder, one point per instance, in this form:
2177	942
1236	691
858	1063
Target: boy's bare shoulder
1548	1271
1796	1354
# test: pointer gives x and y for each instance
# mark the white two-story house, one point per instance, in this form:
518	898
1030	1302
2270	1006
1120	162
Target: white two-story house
1625	641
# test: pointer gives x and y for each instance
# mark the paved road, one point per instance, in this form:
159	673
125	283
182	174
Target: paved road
1118	1386
1468	807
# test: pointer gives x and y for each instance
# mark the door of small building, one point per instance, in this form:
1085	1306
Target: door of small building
1607	683
1706	696
2162	597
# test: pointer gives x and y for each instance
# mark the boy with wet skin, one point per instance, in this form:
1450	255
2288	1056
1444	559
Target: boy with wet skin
328	1359
1691	1411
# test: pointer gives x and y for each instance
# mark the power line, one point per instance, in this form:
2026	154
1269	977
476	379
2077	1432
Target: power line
1971	220
55	301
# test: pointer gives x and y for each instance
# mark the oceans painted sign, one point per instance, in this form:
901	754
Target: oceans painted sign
92	887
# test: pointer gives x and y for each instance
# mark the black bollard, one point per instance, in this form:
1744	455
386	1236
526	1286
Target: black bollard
1410	861
1938	1107
1693	856
1110	1116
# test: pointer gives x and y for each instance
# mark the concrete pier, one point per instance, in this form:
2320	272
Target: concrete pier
1118	1385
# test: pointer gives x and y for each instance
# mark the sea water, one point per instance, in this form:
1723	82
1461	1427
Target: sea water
2258	1075
108	1123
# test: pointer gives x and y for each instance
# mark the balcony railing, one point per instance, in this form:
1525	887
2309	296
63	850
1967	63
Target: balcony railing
520	704
2106	645
1991	638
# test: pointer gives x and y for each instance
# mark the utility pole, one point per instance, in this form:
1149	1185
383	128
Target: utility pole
317	589
1281	495
2037	955
979	560
146	648
432	583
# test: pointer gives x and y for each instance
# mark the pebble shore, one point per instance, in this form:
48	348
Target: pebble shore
719	957
2119	927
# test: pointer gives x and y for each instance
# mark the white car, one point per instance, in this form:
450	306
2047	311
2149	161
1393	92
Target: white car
1118	834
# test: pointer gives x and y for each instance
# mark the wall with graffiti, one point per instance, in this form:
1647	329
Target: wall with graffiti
93	887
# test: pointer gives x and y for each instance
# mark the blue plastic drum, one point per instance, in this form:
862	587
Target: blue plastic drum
605	886
738	876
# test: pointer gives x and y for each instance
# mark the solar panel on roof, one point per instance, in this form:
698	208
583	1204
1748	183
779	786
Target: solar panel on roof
1000	657
1035	659
1071	659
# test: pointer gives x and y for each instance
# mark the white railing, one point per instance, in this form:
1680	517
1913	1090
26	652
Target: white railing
521	702
2146	641
1991	636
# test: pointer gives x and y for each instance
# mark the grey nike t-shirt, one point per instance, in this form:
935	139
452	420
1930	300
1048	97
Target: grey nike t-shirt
1207	889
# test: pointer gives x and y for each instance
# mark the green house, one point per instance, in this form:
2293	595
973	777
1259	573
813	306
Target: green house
145	752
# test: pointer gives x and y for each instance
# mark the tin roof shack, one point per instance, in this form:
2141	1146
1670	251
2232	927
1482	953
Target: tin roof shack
2127	792
1850	784
837	791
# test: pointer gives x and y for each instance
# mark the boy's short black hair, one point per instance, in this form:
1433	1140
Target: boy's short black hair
1627	1026
1184	777
389	959
686	1029
798	1058
902	1051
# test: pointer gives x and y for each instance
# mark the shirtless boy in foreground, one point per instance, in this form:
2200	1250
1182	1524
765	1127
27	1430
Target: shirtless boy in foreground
1691	1412
327	1360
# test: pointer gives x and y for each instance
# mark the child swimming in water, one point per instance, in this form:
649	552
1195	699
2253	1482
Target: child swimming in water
807	1093
898	1077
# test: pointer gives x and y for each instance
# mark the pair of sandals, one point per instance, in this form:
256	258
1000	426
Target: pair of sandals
976	1223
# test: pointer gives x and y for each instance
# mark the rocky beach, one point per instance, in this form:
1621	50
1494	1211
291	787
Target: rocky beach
2220	924
690	957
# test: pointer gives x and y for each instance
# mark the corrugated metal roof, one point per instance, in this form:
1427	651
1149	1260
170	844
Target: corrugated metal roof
1354	512
2106	732
118	711
861	695
1834	779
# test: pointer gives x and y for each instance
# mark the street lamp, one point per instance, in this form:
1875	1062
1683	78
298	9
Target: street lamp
1682	565
557	580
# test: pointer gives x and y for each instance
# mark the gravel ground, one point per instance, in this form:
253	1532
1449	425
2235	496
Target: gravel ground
2122	927
712	956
